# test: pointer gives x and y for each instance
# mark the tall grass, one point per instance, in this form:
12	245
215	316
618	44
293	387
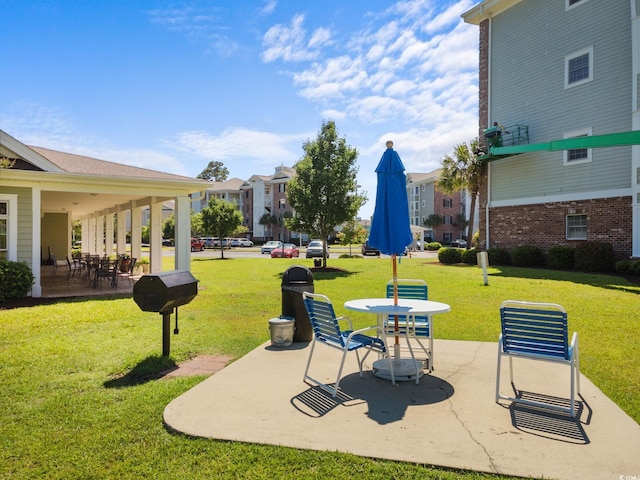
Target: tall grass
79	397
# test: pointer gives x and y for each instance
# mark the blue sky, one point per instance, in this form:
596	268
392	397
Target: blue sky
172	85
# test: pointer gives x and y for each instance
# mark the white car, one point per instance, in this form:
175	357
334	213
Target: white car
270	246
241	242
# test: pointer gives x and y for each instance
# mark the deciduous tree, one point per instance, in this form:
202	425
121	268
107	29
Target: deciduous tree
323	192
221	219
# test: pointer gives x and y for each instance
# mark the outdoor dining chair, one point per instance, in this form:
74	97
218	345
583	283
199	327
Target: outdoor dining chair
415	327
56	263
73	267
538	331
327	330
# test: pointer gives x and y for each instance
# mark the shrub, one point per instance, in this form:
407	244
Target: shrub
594	257
16	280
434	246
499	256
527	256
625	267
561	257
449	255
469	256
635	267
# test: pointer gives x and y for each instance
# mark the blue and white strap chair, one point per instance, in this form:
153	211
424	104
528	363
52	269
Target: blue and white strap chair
538	331
327	330
417	326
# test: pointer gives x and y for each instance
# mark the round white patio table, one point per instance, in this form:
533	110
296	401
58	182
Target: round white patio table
399	369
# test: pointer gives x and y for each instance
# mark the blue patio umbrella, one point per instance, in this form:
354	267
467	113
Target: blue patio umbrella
390	227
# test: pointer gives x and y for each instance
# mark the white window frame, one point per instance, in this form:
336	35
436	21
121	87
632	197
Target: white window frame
572	56
568	6
587	132
572	236
12	225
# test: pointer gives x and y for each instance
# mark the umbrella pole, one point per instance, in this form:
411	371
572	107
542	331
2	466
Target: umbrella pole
396	345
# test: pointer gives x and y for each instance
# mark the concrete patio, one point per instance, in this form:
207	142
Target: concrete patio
450	419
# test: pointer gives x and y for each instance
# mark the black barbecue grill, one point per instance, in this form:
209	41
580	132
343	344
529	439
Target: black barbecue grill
163	293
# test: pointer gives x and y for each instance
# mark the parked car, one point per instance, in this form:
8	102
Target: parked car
241	242
459	242
287	250
369	250
270	245
209	242
167	242
197	245
315	249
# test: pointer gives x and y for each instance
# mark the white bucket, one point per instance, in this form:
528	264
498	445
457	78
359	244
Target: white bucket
281	329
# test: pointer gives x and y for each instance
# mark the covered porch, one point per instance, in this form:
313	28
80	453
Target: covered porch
44	192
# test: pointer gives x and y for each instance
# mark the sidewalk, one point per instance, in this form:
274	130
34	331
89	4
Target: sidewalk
450	419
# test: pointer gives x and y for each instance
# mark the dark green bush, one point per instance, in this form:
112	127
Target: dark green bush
628	267
434	246
560	257
449	255
498	256
469	256
594	257
16	280
527	256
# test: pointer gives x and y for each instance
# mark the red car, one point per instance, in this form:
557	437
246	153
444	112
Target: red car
287	250
197	245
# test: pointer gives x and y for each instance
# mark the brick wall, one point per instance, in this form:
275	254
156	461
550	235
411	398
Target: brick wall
609	220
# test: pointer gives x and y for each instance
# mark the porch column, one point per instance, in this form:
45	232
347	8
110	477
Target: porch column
155	237
109	218
100	247
182	236
85	235
36	205
91	236
121	232
136	232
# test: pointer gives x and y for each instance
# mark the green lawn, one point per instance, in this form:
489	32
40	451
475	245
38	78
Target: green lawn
79	399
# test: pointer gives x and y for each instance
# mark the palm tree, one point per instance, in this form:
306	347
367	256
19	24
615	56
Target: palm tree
433	221
463	171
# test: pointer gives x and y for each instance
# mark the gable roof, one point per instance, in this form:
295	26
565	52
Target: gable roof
79	164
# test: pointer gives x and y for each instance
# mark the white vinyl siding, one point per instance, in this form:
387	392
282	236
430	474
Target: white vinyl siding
529	43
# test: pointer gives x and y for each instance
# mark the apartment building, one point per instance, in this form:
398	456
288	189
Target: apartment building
562	75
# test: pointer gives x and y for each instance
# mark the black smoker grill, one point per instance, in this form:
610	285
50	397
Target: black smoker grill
163	292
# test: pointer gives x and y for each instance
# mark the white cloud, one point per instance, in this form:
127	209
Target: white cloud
269	6
287	42
239	143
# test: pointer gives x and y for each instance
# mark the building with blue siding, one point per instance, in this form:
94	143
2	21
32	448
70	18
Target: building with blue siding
561	69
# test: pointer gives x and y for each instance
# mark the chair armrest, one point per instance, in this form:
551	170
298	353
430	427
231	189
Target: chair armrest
347	320
365	329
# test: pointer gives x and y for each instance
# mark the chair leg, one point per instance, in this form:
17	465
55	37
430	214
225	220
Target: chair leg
498	373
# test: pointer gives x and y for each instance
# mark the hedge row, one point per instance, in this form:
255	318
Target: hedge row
590	257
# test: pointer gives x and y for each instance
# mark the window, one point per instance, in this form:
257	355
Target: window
8	227
572	3
447	237
4	220
576	227
576	156
578	68
447	203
